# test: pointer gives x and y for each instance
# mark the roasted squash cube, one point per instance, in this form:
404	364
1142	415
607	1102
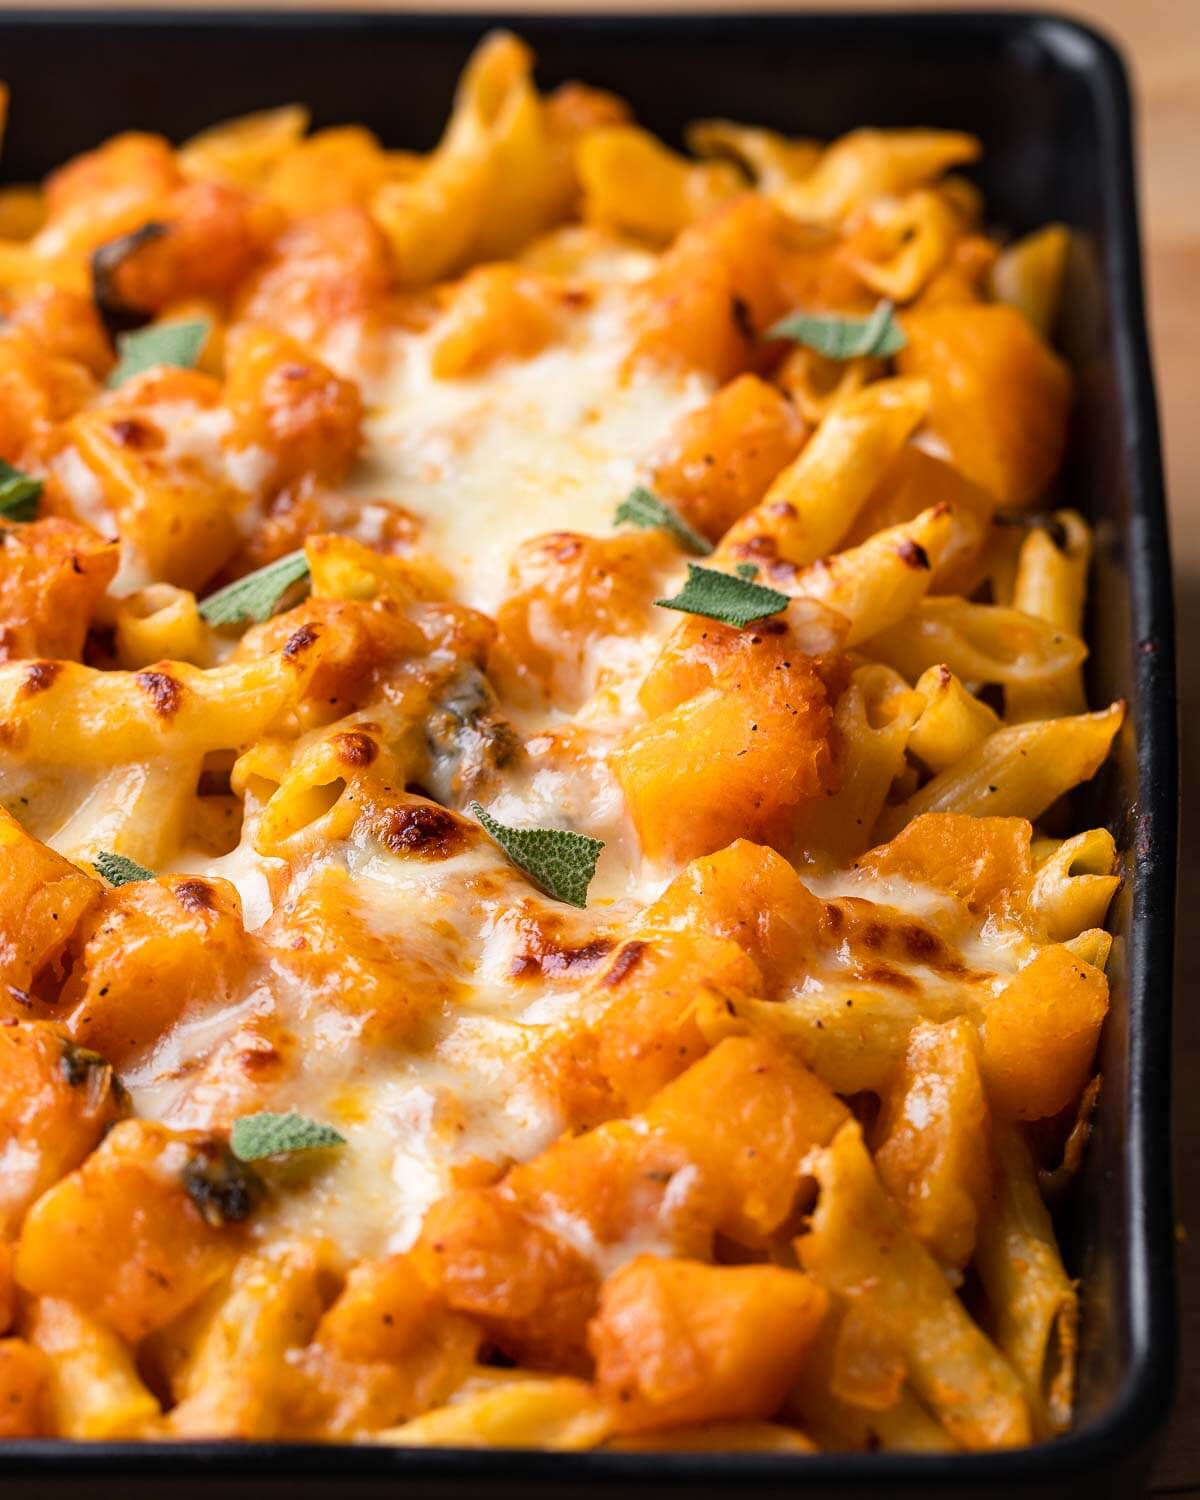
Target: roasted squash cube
617	1183
747	1115
43	898
716	290
148	952
37	390
723	456
570	594
735	761
497	311
667	1000
679	1342
179	515
753	896
211	235
141	1230
1040	1034
285	401
53	573
1000	397
389	1314
531	1291
322	271
56	1101
24	1372
985	863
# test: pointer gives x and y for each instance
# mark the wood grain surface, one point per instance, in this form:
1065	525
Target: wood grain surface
1161	38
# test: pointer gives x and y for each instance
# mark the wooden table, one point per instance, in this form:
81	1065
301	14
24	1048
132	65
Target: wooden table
1162	39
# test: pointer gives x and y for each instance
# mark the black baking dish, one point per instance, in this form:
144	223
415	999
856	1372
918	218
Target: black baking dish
1050	100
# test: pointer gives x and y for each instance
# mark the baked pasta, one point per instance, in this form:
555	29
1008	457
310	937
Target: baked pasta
539	688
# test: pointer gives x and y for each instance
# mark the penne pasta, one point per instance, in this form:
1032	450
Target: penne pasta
900	1424
1015	772
539	688
869	164
901	246
94	1390
877	584
952	723
632	183
980	643
813	501
1075	884
857	1247
1050	583
1028	275
559	1414
233	1382
873	722
928	1147
1034	1304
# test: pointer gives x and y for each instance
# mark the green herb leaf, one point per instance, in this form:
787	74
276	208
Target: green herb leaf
839	337
561	863
257	596
642	507
159	344
19	494
265	1134
746	570
118	870
723	596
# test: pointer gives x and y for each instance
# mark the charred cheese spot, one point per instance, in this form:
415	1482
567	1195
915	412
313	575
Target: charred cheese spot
259	1058
195	895
164	692
297	644
354	748
873	935
135	433
922	945
626	961
885	974
551	961
913	554
423	829
39	675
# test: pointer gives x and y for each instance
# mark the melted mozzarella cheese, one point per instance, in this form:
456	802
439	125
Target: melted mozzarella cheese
253	876
201	434
410	1116
551	443
994	947
409	1123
